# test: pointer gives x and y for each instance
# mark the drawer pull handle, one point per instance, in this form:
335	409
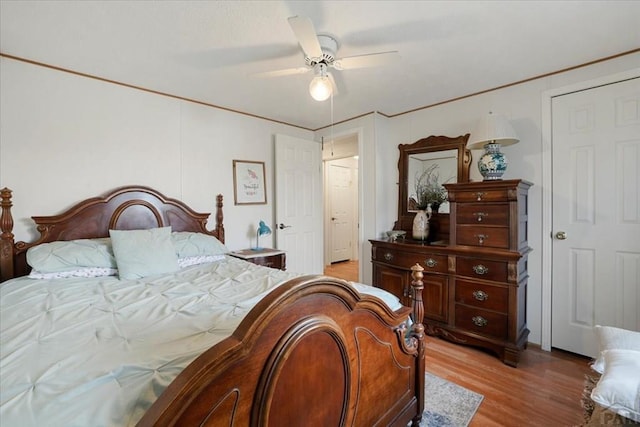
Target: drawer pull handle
430	262
480	269
479	321
480	295
479	195
481	238
388	256
480	215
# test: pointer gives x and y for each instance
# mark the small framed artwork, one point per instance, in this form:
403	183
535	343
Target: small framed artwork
249	185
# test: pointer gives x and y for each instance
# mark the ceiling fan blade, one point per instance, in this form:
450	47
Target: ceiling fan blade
280	73
305	33
364	61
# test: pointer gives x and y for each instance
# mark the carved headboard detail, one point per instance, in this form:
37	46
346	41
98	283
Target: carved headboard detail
125	208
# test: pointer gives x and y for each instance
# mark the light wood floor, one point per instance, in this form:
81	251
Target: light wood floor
347	270
544	390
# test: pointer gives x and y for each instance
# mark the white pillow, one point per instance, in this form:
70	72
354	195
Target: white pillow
190	244
141	253
80	272
71	255
619	387
197	260
610	338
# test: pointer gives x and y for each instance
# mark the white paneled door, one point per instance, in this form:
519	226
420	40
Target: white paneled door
596	213
340	199
298	209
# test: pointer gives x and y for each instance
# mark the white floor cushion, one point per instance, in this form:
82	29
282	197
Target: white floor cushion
619	386
610	338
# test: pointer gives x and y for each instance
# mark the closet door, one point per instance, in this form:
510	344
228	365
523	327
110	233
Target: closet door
596	213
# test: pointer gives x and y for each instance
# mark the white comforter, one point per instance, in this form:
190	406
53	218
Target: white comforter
98	352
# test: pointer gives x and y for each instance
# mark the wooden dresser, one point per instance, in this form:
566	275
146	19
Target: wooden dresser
475	285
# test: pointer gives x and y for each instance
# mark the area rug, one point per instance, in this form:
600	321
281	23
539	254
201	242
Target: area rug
447	404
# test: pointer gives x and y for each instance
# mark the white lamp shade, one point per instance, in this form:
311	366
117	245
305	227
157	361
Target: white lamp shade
320	88
492	128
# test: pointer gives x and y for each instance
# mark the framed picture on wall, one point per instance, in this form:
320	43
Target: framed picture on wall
249	185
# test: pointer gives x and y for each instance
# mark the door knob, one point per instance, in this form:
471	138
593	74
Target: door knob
561	235
282	226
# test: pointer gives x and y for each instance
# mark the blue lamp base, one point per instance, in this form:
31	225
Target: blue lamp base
493	163
263	229
257	248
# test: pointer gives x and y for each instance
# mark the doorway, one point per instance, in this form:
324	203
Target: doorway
340	158
592	264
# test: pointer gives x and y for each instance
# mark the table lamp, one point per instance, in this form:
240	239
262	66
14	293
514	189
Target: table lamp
492	132
263	230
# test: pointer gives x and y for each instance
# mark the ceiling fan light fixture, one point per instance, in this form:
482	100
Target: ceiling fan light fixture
320	88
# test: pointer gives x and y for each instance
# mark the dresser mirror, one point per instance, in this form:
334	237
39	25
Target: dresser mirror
453	161
446	171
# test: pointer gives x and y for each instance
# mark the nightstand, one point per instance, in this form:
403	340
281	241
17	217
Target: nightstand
273	258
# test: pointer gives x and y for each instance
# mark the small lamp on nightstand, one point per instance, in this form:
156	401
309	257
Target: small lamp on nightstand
492	132
263	230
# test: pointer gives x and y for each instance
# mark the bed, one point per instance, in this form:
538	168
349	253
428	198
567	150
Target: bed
217	341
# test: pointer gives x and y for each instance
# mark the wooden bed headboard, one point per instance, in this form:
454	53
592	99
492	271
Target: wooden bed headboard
131	207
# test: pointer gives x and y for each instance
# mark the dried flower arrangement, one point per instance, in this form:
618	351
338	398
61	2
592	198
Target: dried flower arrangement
429	190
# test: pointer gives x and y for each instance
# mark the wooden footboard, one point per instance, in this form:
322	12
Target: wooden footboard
314	352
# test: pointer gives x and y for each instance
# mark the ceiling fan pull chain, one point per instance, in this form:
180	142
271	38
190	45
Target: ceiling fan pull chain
331	123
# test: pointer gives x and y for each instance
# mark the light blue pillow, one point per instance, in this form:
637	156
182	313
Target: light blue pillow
189	244
141	253
70	255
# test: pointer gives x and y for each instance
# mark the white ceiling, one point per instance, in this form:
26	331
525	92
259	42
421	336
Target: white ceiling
207	50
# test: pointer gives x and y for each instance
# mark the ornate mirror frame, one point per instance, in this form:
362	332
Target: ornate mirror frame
431	144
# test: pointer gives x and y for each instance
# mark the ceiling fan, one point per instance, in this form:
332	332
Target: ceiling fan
320	55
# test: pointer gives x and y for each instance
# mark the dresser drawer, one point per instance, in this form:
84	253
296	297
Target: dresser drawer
478	213
483	236
497	195
481	295
482	269
481	321
431	263
276	261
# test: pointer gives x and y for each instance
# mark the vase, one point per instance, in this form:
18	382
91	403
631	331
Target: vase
421	225
493	163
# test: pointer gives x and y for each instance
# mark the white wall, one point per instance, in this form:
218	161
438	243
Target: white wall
523	105
64	138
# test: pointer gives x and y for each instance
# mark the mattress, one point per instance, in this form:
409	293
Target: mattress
99	351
